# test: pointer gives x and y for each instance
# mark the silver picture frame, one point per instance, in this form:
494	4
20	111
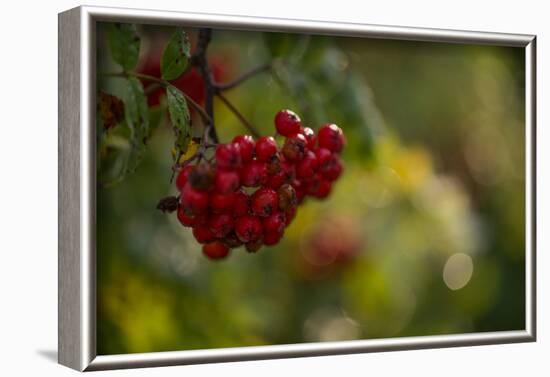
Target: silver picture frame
77	188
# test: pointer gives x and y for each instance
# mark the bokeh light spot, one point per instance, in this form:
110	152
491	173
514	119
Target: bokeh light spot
458	271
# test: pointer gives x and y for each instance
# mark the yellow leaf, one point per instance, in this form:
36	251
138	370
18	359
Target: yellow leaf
191	150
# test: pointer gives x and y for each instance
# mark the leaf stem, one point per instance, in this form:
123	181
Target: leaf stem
238	114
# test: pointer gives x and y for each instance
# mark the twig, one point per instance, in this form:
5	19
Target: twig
152	88
243	78
165	84
200	59
206	117
238	114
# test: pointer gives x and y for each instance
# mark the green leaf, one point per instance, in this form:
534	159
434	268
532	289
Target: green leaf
137	118
180	118
176	56
124	43
137	112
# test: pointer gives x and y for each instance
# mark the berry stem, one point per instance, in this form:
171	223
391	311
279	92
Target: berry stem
238	114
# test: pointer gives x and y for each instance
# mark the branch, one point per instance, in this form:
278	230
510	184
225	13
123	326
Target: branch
201	61
238	114
239	80
206	117
152	88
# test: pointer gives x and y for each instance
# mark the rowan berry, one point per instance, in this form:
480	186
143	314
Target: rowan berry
228	156
203	234
287	197
222	202
272	238
182	177
331	137
294	148
242	203
226	181
192	200
248	228
253	174
333	169
287	123
220	224
307	166
264	201
215	250
201	177
274	223
246	147
266	147
310	137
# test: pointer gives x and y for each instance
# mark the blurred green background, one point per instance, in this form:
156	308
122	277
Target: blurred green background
422	235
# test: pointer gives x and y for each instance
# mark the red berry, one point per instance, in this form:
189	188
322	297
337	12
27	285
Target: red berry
310	137
273	164
242	204
323	156
275	181
290	214
287	197
253	174
264	201
246	147
203	234
287	122
331	137
311	184
226	181
183	175
184	219
295	147
272	238
222	202
286	175
193	201
215	250
266	147
274	223
201	177
307	166
228	156
220	224
333	169
248	228
300	189
323	189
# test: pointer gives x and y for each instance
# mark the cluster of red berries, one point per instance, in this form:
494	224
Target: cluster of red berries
250	194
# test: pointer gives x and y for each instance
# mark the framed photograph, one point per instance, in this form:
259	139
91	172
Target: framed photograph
236	188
